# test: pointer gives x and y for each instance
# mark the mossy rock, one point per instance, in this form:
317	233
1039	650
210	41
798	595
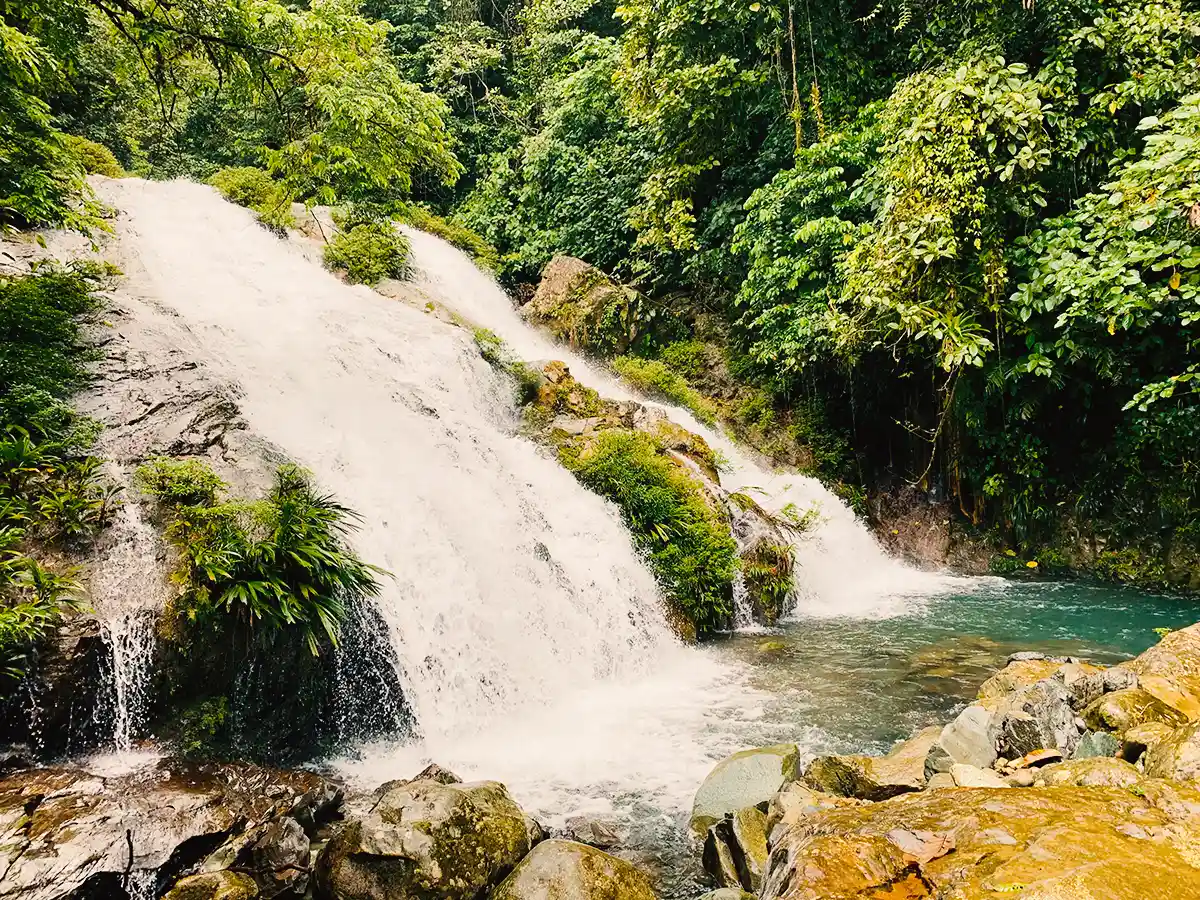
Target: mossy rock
875	778
1170	670
565	870
581	305
223	885
1095	771
1122	710
428	839
746	778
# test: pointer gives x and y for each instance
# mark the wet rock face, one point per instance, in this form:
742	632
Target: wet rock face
563	870
55	711
427	839
1053	842
67	833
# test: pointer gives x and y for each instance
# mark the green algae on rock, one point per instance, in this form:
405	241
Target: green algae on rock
565	870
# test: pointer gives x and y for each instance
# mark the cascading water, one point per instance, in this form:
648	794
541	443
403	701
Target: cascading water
127	595
841	569
528	629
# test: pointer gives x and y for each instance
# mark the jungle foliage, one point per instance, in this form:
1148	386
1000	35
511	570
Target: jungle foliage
52	493
933	233
275	564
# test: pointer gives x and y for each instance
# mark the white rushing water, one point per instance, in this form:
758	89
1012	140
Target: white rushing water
531	643
529	631
840	568
127	595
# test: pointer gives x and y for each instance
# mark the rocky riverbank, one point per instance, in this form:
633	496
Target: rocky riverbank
1064	779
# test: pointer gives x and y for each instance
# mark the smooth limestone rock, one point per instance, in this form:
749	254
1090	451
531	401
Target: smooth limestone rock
974	777
1122	710
565	870
1052	843
223	885
875	778
426	839
1096	743
746	778
1170	670
940	780
1098	771
968	739
1176	757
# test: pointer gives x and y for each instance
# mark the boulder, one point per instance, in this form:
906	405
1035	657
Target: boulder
1096	743
425	839
1138	740
1023	673
967	740
277	855
1035	718
940	780
1170	670
223	885
735	850
1122	710
1047	842
565	870
1176	757
875	778
584	307
746	778
797	800
593	832
974	777
1089	689
67	832
1098	771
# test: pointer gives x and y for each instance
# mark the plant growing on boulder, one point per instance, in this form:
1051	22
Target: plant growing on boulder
687	545
255	189
277	563
96	158
369	252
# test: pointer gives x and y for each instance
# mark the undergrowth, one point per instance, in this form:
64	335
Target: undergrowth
274	564
52	494
689	548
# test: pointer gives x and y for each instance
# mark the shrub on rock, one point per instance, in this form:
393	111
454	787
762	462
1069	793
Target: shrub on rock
369	252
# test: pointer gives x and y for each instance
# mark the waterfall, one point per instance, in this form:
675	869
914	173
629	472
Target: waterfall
509	584
841	569
530	641
127	592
